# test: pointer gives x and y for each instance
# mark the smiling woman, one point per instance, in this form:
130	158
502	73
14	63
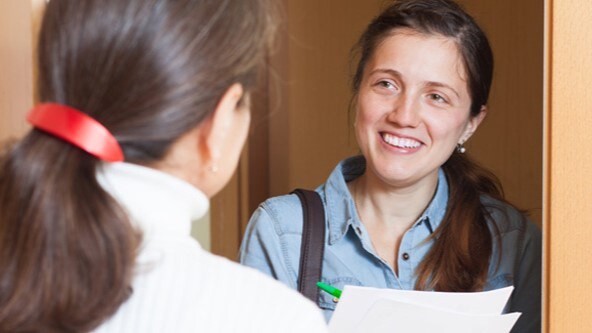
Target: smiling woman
413	111
413	108
413	212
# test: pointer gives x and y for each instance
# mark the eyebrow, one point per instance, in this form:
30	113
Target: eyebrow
387	71
441	85
398	74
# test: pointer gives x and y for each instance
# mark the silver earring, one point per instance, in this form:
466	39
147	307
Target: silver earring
460	148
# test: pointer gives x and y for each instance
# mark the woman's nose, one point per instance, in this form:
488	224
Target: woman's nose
405	112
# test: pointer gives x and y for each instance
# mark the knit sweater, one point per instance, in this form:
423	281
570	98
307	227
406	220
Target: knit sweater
179	287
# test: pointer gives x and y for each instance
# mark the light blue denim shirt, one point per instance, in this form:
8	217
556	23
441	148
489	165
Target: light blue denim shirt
272	244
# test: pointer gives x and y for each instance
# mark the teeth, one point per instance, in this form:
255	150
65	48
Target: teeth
400	142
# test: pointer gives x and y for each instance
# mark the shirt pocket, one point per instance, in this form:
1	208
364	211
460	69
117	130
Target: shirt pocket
326	300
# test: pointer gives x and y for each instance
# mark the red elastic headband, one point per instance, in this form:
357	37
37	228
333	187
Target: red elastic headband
76	128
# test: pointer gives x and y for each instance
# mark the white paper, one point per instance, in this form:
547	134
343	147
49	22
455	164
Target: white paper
363	309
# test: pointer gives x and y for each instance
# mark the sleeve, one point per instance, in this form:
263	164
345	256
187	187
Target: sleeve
527	282
261	248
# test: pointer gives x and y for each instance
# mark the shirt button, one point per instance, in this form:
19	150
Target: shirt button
358	230
405	256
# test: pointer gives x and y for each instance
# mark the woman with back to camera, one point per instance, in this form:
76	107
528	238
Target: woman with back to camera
413	212
144	109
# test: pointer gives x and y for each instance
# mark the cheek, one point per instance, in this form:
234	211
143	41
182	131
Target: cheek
363	127
368	113
447	129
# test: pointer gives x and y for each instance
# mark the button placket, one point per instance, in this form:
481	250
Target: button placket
406	264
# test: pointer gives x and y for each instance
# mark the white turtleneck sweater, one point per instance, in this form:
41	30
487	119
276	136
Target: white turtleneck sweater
178	286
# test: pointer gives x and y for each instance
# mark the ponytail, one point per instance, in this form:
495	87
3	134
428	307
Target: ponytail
67	250
460	257
149	72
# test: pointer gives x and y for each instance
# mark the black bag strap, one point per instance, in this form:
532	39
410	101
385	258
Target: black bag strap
313	243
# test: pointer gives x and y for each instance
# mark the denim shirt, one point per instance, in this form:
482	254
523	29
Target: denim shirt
272	244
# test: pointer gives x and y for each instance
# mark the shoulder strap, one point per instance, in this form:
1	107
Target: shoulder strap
313	243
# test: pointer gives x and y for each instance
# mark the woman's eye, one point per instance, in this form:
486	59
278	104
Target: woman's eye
386	84
438	98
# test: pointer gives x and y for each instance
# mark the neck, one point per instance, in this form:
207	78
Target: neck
388	211
389	205
183	161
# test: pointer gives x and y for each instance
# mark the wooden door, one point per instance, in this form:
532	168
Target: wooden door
567	165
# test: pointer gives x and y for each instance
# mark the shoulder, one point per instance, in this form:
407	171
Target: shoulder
164	258
185	288
518	234
283	214
507	218
242	280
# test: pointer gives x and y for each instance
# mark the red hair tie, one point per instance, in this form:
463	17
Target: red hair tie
76	128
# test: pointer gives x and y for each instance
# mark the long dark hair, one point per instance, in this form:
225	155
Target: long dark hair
460	257
149	71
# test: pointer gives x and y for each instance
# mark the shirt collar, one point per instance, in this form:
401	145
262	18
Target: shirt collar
155	201
434	213
341	211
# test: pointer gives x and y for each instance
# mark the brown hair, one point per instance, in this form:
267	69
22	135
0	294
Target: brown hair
459	259
149	71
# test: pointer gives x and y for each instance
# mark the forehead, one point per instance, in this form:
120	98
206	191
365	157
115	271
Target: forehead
422	57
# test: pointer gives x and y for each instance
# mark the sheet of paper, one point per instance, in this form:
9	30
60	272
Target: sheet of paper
356	303
393	316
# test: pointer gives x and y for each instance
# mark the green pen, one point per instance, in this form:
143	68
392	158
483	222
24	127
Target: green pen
329	289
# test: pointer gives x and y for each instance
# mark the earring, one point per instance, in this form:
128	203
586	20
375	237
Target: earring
214	168
460	148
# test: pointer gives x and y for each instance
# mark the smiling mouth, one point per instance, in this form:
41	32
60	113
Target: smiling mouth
400	142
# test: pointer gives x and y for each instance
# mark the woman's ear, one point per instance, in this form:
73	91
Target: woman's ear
217	128
473	124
